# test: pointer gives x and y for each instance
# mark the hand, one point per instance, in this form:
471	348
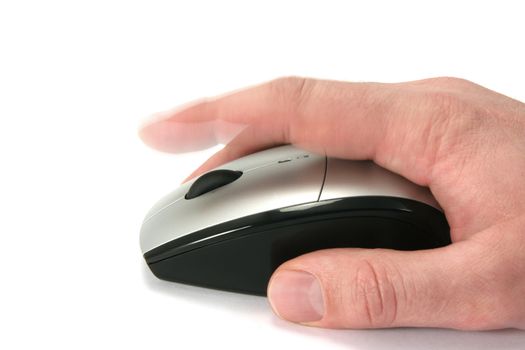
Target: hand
465	142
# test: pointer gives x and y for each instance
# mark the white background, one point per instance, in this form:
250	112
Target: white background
76	77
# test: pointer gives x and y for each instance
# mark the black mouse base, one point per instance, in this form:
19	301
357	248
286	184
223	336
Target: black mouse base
243	260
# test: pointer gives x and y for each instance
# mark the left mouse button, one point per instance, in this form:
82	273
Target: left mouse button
212	180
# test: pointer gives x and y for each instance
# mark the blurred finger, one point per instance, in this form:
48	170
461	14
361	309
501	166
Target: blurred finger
250	140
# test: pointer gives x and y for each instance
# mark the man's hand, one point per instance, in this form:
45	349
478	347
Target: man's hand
465	142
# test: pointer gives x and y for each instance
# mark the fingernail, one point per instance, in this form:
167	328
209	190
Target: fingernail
296	296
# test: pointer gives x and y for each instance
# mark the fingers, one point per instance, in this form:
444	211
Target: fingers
393	124
357	288
266	107
287	110
174	136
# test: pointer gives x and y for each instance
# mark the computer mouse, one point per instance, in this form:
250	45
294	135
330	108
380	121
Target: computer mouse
230	228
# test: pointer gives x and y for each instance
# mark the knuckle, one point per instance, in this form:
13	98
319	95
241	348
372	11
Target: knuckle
293	90
451	82
444	103
451	106
292	94
453	123
375	296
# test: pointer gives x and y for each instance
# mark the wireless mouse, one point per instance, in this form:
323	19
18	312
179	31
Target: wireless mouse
232	227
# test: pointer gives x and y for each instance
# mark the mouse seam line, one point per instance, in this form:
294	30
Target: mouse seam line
324	177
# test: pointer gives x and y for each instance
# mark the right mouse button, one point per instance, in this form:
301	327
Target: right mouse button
346	178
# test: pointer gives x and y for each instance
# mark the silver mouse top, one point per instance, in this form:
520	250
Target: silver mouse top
272	179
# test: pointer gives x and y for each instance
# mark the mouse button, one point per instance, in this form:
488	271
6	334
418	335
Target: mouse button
269	157
211	181
346	178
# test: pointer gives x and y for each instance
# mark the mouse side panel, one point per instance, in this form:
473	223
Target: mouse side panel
244	259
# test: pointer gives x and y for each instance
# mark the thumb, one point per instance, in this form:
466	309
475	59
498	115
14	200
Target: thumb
363	288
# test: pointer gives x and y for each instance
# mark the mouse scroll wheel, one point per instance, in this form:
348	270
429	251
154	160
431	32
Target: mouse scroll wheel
212	180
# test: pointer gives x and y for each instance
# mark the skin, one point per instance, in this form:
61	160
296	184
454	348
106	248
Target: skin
463	141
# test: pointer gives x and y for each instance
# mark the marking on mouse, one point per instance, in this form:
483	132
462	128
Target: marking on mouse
218	235
306	206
